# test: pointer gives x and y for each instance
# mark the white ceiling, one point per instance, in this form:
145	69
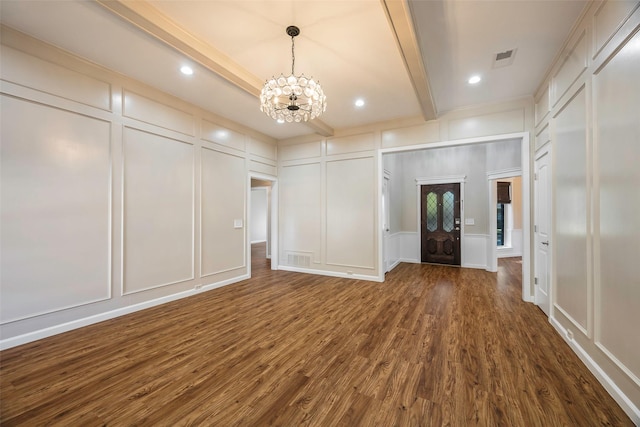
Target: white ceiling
460	38
355	48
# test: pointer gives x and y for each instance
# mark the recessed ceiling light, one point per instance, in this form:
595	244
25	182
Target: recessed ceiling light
474	79
186	70
359	102
280	121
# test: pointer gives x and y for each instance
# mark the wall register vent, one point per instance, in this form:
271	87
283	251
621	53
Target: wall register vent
299	260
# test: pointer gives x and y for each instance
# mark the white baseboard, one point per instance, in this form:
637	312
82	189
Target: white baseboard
478	266
625	403
401	260
507	252
90	320
394	265
474	250
330	273
258	241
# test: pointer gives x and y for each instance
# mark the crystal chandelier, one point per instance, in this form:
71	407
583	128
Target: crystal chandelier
293	98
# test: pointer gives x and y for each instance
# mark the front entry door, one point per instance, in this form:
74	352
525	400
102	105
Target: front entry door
440	223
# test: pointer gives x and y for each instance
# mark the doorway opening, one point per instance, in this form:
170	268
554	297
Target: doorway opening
419	165
507	231
262	219
508	210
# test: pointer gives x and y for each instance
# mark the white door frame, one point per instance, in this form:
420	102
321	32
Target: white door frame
273	213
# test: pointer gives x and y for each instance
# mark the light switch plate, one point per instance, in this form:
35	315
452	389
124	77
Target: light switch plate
469	221
237	223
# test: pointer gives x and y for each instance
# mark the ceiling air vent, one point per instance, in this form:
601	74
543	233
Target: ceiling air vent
502	59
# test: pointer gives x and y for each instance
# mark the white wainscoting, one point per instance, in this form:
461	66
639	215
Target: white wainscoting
55	210
474	250
404	246
516	246
118	198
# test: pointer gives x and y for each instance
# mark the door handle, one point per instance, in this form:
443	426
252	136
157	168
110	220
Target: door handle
545	243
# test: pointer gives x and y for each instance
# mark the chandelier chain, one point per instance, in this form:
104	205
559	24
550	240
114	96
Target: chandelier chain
293	55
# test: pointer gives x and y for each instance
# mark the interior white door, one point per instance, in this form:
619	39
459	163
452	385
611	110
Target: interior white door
386	224
542	230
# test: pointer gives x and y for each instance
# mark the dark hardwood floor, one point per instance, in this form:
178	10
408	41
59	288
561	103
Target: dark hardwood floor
431	346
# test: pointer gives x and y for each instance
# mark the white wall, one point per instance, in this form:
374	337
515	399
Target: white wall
115	197
306	163
588	109
259	214
329	206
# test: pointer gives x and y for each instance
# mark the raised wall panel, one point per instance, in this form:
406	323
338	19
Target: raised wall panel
262	149
223	199
571	69
608	18
488	124
571	205
55	197
412	135
542	106
351	213
158	210
215	133
617	101
300	190
34	73
350	144
543	137
474	249
264	168
300	151
149	111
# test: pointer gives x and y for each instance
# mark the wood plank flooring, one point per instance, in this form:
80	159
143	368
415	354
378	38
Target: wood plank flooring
431	346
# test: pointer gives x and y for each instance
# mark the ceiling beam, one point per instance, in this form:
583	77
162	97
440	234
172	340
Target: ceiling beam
149	19
399	16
